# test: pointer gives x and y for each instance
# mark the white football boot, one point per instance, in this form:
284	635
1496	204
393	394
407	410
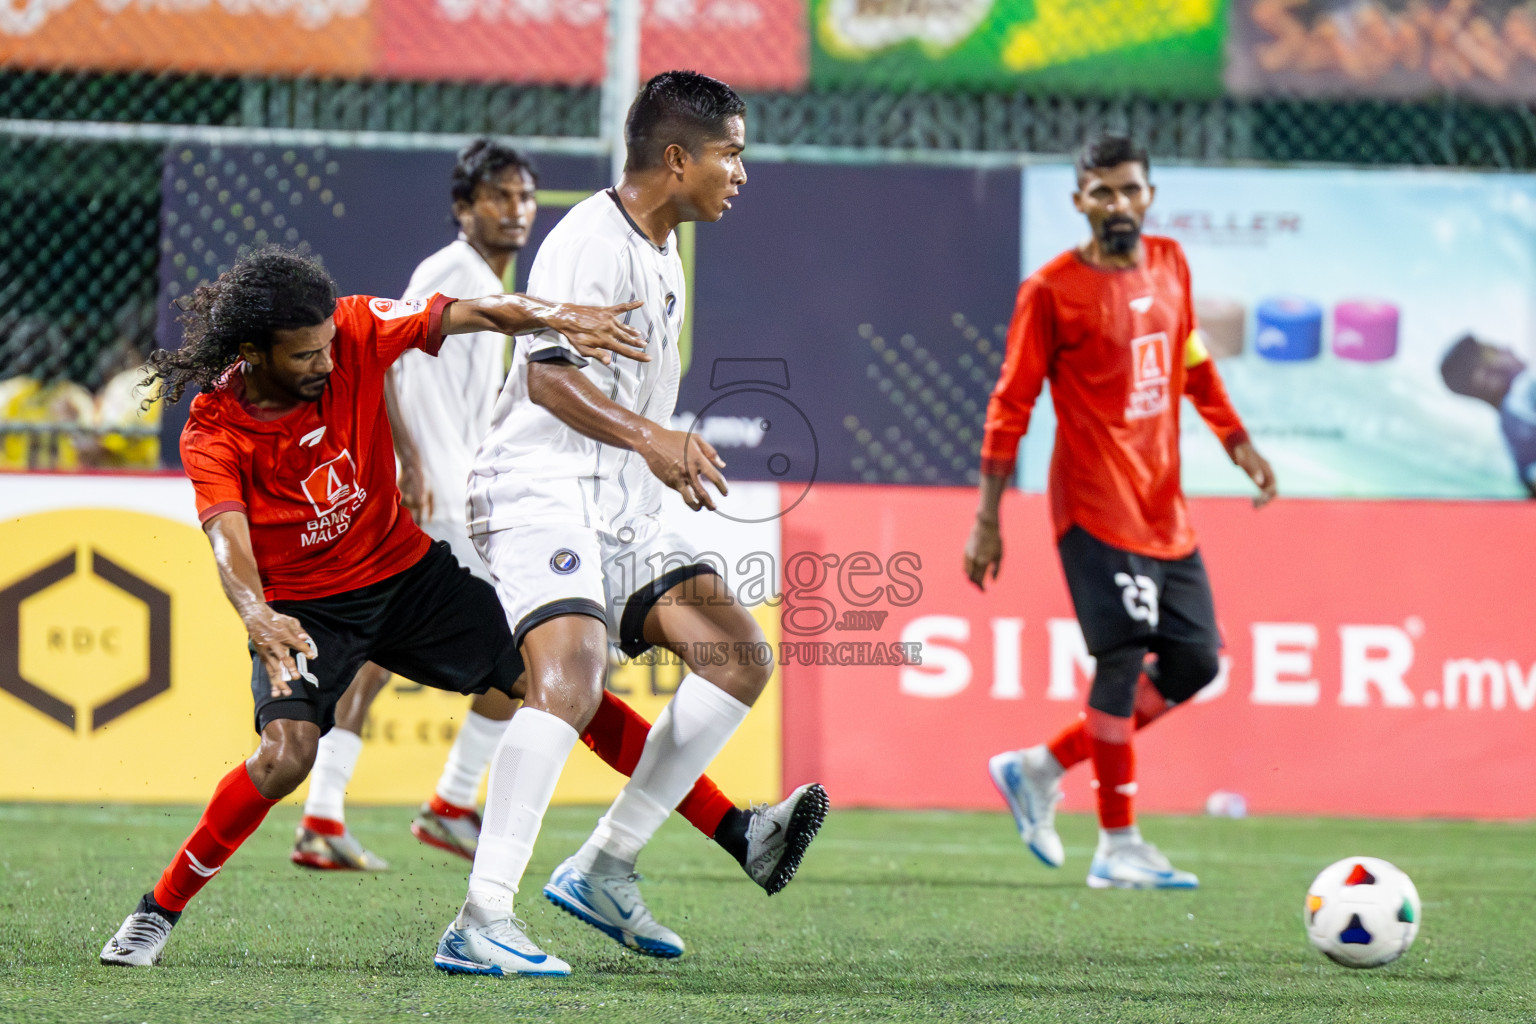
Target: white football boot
1030	782
612	905
1135	865
476	943
141	939
777	836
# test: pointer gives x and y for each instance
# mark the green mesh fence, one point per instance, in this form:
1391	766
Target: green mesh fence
79	218
78	225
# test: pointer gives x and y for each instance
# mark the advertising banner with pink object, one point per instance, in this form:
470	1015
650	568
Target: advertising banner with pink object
1373	327
1353	681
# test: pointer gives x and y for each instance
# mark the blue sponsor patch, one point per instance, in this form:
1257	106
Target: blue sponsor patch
565	561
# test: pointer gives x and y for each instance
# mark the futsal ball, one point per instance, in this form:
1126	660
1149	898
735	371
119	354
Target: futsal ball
1362	912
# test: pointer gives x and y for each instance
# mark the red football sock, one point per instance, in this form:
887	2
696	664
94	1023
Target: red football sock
445	809
1070	746
324	826
235	811
1114	768
617	735
1150	705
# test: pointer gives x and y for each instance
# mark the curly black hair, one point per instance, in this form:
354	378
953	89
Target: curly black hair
483	160
270	289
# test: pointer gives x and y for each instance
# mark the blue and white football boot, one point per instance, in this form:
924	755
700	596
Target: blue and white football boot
1030	782
611	903
1135	865
476	943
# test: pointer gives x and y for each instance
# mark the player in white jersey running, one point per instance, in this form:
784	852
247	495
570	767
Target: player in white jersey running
439	409
565	506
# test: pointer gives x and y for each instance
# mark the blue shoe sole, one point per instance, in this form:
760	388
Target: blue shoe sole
1040	856
1110	883
493	971
464	967
644	946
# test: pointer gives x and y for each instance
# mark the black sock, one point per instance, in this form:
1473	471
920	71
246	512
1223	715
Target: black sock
148	905
732	833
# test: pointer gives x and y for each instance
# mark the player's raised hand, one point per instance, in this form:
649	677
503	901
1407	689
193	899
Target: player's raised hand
1259	471
983	552
599	331
684	461
276	636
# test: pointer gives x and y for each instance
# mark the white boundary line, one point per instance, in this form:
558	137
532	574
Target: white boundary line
113	131
234	135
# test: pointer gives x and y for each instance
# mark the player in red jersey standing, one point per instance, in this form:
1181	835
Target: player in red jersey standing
290	455
1111	325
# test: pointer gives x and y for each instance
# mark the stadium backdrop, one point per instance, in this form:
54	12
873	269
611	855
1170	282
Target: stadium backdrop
846	368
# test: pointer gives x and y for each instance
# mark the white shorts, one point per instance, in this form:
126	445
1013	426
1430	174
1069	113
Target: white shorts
456	536
546	570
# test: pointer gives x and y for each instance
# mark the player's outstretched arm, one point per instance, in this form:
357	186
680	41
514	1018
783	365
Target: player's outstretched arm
682	461
415	495
275	636
1203	386
596	331
984	547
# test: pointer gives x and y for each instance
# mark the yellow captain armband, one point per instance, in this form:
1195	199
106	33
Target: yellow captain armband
1195	351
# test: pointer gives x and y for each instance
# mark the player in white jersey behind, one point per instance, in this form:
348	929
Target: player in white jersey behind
439	409
565	506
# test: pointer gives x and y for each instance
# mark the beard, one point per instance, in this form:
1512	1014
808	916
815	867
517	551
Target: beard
1118	235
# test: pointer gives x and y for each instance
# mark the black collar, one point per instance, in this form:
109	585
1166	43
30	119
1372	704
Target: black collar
613	194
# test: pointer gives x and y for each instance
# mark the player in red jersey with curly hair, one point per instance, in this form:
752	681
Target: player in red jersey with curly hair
1111	325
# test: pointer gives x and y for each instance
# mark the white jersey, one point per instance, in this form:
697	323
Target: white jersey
532	468
446	401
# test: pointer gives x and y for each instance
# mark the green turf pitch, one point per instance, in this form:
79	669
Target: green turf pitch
906	916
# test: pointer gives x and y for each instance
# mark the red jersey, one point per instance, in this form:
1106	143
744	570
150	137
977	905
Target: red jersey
1120	349
318	483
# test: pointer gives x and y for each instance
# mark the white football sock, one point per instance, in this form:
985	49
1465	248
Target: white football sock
335	761
1115	838
1041	759
689	733
468	759
524	770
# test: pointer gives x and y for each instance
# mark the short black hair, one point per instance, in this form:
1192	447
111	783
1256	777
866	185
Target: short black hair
1105	151
269	289
483	160
1460	363
683	108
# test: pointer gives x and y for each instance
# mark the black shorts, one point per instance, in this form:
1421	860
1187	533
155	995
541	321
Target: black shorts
1123	598
434	623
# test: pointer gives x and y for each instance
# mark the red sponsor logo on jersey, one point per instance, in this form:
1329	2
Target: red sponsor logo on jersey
1149	376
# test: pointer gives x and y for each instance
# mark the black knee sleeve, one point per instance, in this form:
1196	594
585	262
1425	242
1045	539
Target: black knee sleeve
1114	680
1183	670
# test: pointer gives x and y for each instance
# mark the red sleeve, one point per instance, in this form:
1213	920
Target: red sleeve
1204	387
213	466
1030	340
385	328
1201	381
